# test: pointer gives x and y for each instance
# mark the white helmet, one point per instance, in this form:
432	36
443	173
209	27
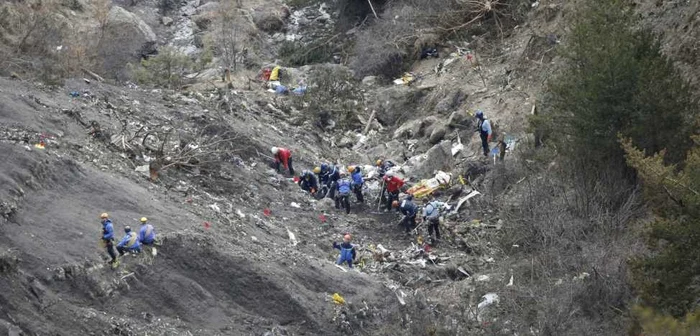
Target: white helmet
274	150
389	174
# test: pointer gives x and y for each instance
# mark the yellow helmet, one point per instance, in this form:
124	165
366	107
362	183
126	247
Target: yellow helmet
317	170
351	169
104	215
379	162
144	219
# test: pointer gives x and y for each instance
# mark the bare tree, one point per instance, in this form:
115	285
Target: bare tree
228	34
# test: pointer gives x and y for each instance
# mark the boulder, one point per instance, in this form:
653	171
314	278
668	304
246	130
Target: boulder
459	119
268	20
439	157
369	80
397	103
392	150
208	8
126	39
450	102
438	133
166	21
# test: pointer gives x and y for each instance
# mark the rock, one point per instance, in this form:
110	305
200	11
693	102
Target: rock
369	80
450	102
347	141
166	21
414	128
459	119
438	134
127	38
208	8
439	157
268	20
395	103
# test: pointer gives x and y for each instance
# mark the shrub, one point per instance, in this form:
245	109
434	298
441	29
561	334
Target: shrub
298	54
667	279
167	69
332	97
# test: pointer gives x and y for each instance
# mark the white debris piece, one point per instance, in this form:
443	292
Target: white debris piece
292	238
215	207
240	213
254	238
581	276
483	277
142	169
295	205
487	300
457	147
472	194
400	295
510	283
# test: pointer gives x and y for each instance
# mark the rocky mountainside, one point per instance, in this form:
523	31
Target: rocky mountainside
243	251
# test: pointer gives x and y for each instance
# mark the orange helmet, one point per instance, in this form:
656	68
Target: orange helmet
104	215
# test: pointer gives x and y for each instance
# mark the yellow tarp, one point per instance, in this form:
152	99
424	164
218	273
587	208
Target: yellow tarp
275	74
338	299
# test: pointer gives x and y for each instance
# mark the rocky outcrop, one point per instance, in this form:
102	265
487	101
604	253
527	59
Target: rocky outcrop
126	39
439	157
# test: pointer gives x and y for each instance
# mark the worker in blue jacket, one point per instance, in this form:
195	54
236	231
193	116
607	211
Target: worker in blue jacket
330	174
409	211
343	197
357	182
308	182
147	233
347	251
130	242
108	236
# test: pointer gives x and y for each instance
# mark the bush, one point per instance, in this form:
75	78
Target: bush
333	98
667	279
167	69
298	54
570	253
615	80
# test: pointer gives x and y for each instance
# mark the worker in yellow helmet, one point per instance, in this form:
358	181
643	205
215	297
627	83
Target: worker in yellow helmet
108	236
384	166
147	234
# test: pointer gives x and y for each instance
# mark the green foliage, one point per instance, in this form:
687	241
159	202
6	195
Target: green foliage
298	54
333	97
616	80
654	324
165	69
668	279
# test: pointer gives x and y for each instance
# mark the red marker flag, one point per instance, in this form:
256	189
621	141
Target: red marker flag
322	217
207	225
266	212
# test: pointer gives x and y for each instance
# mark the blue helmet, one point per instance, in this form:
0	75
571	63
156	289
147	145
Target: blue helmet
479	114
324	166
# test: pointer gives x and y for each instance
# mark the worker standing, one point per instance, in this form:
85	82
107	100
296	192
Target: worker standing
343	197
392	185
431	214
347	251
108	237
409	211
283	157
484	129
329	178
357	182
384	166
